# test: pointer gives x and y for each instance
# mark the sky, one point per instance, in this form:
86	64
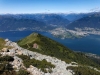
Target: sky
48	6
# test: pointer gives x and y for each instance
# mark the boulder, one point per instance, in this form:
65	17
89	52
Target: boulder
19	52
5	50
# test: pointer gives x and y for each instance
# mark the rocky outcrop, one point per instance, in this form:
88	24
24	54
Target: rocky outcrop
17	63
34	71
4	49
60	66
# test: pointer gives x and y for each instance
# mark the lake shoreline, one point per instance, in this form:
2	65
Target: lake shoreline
89	44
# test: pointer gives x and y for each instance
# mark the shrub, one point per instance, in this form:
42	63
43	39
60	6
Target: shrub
22	72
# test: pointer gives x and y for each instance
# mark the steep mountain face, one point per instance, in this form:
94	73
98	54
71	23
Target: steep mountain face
92	21
9	23
38	43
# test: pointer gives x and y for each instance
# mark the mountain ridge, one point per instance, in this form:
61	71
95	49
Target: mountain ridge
40	47
91	21
31	22
8	23
52	48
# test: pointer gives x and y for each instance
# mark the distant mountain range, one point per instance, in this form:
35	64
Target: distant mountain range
82	25
8	23
54	19
50	19
91	21
46	22
73	16
31	22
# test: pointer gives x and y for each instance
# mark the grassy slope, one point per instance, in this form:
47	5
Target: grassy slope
82	70
2	42
52	48
37	63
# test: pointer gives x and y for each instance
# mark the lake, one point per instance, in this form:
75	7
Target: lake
89	44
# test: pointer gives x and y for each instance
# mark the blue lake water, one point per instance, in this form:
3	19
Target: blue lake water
89	44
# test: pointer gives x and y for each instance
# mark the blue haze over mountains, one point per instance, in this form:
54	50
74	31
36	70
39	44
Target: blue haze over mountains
47	22
29	21
92	21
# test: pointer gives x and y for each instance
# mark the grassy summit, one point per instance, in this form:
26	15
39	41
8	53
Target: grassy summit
45	46
50	47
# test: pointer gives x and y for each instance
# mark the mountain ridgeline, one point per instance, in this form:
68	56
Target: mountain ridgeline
73	17
31	22
44	45
91	21
10	23
46	22
53	19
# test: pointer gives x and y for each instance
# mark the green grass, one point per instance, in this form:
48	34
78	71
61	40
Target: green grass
2	42
5	67
54	49
22	72
83	70
31	38
37	63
